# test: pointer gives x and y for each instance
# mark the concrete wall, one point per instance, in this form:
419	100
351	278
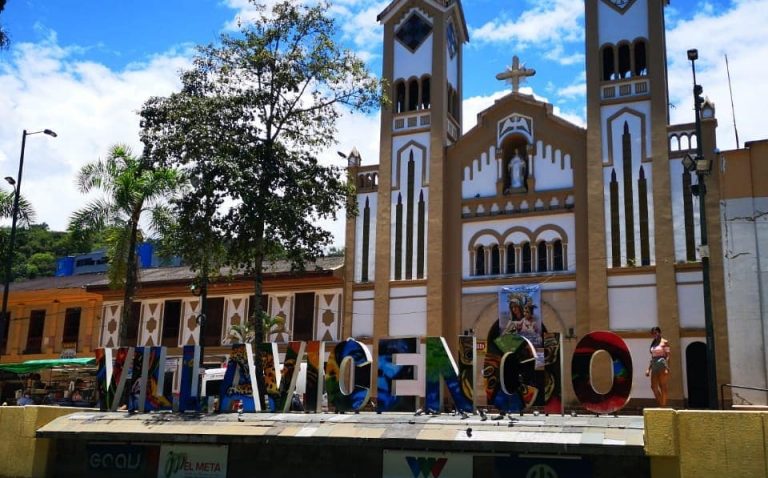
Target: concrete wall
687	443
21	454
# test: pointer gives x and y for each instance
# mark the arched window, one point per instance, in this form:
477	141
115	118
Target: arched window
641	65
455	104
511	259
400	97
674	143
495	261
541	256
525	258
480	261
425	87
452	101
413	94
625	68
609	68
557	255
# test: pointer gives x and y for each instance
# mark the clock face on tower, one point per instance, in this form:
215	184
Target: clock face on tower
451	34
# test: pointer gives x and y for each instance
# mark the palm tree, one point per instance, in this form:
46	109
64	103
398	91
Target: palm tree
132	186
245	333
25	217
26	213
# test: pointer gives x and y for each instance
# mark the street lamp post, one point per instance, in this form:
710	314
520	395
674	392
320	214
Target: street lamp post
702	167
14	215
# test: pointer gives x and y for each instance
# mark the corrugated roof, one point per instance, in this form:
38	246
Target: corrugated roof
167	274
67	282
185	274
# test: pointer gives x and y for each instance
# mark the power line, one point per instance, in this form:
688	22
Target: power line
733	110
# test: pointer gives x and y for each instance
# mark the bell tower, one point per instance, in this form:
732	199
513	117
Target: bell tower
630	231
402	288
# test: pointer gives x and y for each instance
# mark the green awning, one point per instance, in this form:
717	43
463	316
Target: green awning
35	365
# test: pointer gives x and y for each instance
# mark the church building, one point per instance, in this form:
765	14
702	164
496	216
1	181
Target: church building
602	222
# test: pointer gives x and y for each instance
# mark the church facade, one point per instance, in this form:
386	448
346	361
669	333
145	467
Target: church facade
601	221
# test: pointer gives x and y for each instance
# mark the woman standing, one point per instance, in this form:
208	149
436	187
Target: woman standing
658	368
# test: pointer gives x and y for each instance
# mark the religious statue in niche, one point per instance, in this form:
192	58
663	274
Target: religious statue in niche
517	169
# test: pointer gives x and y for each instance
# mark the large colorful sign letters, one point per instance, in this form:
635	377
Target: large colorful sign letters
408	367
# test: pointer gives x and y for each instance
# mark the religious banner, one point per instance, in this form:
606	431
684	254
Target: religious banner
519	312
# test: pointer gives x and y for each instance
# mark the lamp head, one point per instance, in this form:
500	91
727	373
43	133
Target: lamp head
10	180
50	133
341	154
693	54
689	163
703	165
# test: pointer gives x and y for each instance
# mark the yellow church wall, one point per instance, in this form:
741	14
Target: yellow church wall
736	165
695	443
21	454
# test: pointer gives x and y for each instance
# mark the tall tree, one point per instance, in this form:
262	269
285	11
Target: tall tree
173	132
263	104
131	186
3	36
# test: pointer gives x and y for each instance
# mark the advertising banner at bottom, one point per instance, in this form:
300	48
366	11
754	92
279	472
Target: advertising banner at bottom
193	461
418	464
542	467
116	459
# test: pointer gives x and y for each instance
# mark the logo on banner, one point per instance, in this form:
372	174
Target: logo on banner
541	471
193	461
426	467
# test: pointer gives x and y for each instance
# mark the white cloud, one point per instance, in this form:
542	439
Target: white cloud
359	131
360	25
90	107
573	90
473	106
740	33
477	104
551	22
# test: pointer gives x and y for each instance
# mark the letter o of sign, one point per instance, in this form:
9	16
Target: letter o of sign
348	375
581	370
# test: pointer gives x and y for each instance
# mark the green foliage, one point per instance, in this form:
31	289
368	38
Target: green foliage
334	251
252	116
3	35
41	264
245	333
131	185
36	249
26	213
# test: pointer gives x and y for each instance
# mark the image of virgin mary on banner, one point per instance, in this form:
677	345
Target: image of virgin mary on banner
520	312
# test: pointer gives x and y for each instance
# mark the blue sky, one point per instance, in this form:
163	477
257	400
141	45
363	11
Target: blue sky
84	67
